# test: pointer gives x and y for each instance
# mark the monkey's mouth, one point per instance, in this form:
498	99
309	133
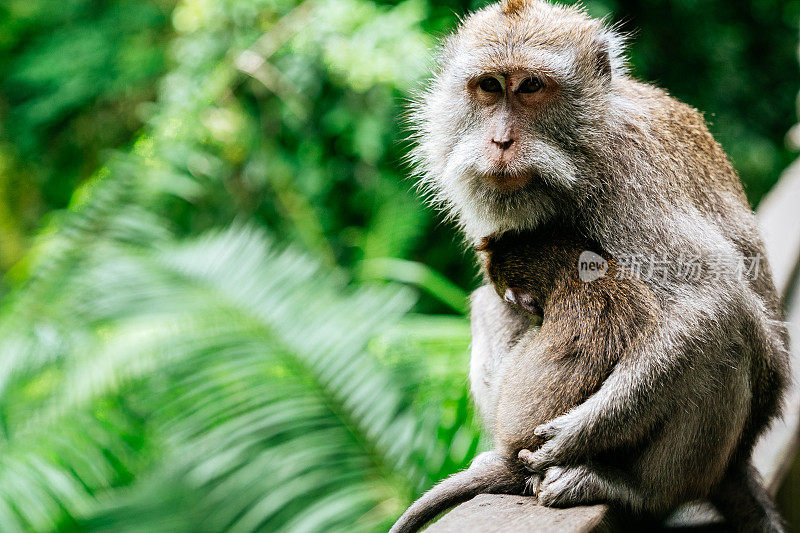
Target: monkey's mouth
505	181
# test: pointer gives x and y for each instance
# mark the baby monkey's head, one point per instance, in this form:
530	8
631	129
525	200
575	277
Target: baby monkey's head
570	281
522	88
525	267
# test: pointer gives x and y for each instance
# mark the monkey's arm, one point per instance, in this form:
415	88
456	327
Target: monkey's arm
654	380
496	328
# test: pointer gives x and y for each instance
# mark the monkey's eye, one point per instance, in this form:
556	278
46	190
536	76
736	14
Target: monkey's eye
530	85
490	85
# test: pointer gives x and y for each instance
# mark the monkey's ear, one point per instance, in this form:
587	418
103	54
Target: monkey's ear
602	59
608	53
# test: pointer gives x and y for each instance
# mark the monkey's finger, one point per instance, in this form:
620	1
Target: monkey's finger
535	461
525	455
547	431
539	464
533	485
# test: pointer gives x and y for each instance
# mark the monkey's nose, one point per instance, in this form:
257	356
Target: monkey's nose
503	144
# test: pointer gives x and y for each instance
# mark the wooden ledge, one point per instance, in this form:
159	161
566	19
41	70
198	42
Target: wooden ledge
494	513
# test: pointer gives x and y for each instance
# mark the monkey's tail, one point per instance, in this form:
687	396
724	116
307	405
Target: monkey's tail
491	477
745	503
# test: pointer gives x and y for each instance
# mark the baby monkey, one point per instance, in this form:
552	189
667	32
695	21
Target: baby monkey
590	319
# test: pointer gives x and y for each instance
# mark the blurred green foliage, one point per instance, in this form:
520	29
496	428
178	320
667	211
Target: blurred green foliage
224	306
72	77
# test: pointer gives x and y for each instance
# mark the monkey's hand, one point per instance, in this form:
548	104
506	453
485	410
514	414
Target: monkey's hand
566	442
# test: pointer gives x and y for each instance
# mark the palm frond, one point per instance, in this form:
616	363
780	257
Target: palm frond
250	370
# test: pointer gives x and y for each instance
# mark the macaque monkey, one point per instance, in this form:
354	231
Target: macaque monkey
586	327
531	121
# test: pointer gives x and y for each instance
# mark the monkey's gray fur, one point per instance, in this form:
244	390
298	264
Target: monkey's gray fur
624	165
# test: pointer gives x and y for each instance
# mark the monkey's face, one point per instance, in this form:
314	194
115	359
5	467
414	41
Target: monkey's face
508	102
501	129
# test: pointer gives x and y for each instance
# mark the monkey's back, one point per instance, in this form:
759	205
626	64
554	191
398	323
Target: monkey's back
587	326
693	170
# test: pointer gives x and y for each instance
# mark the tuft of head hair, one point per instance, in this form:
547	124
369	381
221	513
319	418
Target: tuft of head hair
513	7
